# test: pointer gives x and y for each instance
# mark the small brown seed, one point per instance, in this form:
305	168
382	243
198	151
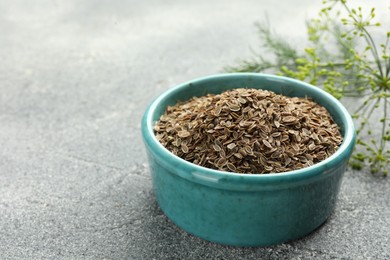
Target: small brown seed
312	146
231	146
242	152
231	167
241	100
221	162
183	134
216	148
234	107
238	155
266	143
248	150
217	110
287	161
184	148
288	119
222	153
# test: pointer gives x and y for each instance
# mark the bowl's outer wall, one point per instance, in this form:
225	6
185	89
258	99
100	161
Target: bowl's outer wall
250	213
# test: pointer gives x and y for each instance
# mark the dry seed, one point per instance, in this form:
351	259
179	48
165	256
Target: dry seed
284	138
221	162
248	150
235	115
309	157
223	137
294	132
238	155
276	154
305	132
231	146
228	142
229	155
231	167
234	107
217	110
263	160
183	134
216	148
184	148
253	169
241	100
287	161
266	143
222	153
312	146
242	152
246	109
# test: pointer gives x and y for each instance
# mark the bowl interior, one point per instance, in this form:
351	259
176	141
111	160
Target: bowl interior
280	85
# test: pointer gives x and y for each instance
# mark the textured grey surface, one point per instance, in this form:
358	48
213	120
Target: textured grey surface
75	78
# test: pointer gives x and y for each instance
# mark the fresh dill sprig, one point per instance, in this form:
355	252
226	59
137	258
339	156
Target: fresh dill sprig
344	59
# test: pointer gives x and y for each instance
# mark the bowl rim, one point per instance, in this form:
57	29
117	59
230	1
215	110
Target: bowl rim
212	177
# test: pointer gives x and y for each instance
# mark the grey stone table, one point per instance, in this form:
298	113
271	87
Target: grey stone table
75	79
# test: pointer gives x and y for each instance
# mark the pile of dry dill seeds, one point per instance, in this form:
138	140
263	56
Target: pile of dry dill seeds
249	131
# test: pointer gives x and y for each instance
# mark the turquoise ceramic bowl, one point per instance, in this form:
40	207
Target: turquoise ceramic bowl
246	210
